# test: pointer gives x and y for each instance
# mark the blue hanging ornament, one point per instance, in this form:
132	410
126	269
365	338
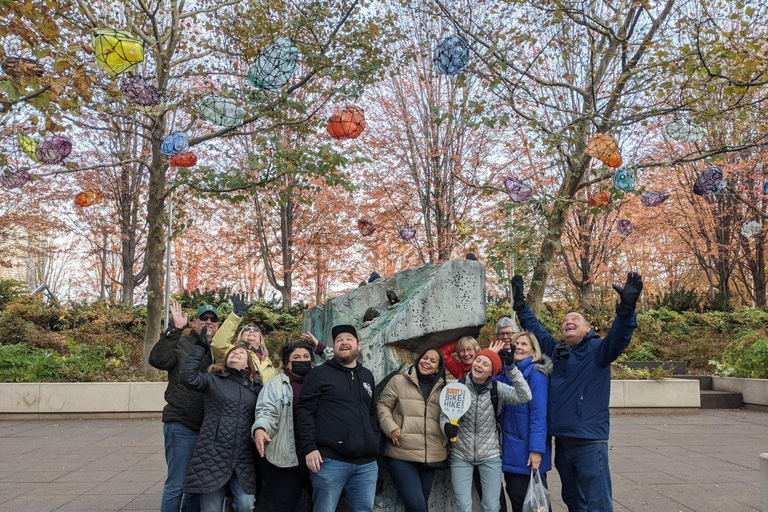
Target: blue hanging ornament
624	179
451	55
174	144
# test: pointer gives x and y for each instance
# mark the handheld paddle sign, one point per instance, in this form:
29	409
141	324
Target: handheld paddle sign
454	401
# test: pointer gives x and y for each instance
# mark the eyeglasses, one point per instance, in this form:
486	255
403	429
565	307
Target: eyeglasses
211	319
251	328
505	335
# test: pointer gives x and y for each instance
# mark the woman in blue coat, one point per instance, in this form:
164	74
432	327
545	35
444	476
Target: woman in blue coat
525	444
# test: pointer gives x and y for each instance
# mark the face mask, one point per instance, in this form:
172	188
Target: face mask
301	368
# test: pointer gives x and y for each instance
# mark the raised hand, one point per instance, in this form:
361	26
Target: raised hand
629	294
497	346
239	307
178	316
309	338
518	293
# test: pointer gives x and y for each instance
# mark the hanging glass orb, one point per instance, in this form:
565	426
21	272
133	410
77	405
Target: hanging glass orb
220	111
451	55
464	228
89	198
683	130
53	150
625	179
20	68
273	68
407	233
174	144
652	198
139	91
11	180
348	123
604	148
600	199
709	182
625	227
116	51
183	160
518	191
28	145
765	188
366	227
751	229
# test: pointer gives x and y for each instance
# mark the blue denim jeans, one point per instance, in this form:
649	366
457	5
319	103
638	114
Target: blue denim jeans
461	481
358	481
413	481
585	476
241	501
179	445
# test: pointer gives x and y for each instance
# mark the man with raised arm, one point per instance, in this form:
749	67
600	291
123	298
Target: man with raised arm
579	393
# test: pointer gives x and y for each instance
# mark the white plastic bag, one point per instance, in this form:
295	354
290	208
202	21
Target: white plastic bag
537	497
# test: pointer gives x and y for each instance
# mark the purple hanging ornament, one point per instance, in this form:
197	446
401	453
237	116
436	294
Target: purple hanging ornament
407	233
11	180
709	182
625	227
139	91
518	191
53	150
652	198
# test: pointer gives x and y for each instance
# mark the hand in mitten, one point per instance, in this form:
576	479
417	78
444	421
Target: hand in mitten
239	307
518	293
451	430
507	357
629	294
205	340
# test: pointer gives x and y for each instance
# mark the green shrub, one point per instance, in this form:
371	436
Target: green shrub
644	352
10	290
34	309
681	299
745	357
622	372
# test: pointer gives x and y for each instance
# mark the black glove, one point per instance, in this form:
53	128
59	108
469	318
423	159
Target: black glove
507	357
203	341
451	430
518	294
239	307
629	294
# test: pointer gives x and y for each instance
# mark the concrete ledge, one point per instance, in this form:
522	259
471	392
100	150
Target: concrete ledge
753	391
656	394
81	397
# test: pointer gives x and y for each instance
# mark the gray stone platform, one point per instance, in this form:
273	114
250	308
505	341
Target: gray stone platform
707	462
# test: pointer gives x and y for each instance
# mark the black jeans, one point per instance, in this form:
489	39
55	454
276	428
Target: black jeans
413	481
284	489
517	487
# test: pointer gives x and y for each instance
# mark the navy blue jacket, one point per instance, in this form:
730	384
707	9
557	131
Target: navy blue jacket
580	387
524	427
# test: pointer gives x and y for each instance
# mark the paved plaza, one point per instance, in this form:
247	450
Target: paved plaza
706	462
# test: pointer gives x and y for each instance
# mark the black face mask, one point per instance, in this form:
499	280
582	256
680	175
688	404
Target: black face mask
301	368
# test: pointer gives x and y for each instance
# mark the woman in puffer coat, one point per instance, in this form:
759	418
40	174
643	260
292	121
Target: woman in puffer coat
224	455
477	444
525	443
409	414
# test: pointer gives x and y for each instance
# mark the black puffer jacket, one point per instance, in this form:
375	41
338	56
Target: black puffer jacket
224	445
184	405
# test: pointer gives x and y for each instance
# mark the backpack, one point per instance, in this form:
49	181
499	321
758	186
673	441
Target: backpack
494	400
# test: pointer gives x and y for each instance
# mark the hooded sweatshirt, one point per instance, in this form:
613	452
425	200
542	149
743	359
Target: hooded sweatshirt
336	413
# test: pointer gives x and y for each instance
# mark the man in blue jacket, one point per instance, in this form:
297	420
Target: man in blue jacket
579	394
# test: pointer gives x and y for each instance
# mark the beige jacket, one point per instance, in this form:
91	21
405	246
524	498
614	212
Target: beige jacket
222	342
401	405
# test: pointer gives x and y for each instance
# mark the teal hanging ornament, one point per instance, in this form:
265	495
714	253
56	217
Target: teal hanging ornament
273	68
451	55
220	111
625	179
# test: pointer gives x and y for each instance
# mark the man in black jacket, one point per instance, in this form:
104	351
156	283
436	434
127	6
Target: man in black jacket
336	420
183	414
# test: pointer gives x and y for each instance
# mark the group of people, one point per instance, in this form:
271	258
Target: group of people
301	437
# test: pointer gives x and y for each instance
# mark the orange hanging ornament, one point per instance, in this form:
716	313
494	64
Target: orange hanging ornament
89	198
348	123
604	147
600	199
184	160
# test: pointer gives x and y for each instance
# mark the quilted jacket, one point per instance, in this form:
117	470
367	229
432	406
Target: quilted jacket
478	438
524	427
184	405
222	342
224	445
402	406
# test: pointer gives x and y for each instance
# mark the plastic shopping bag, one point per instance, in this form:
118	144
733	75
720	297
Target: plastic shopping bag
537	497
